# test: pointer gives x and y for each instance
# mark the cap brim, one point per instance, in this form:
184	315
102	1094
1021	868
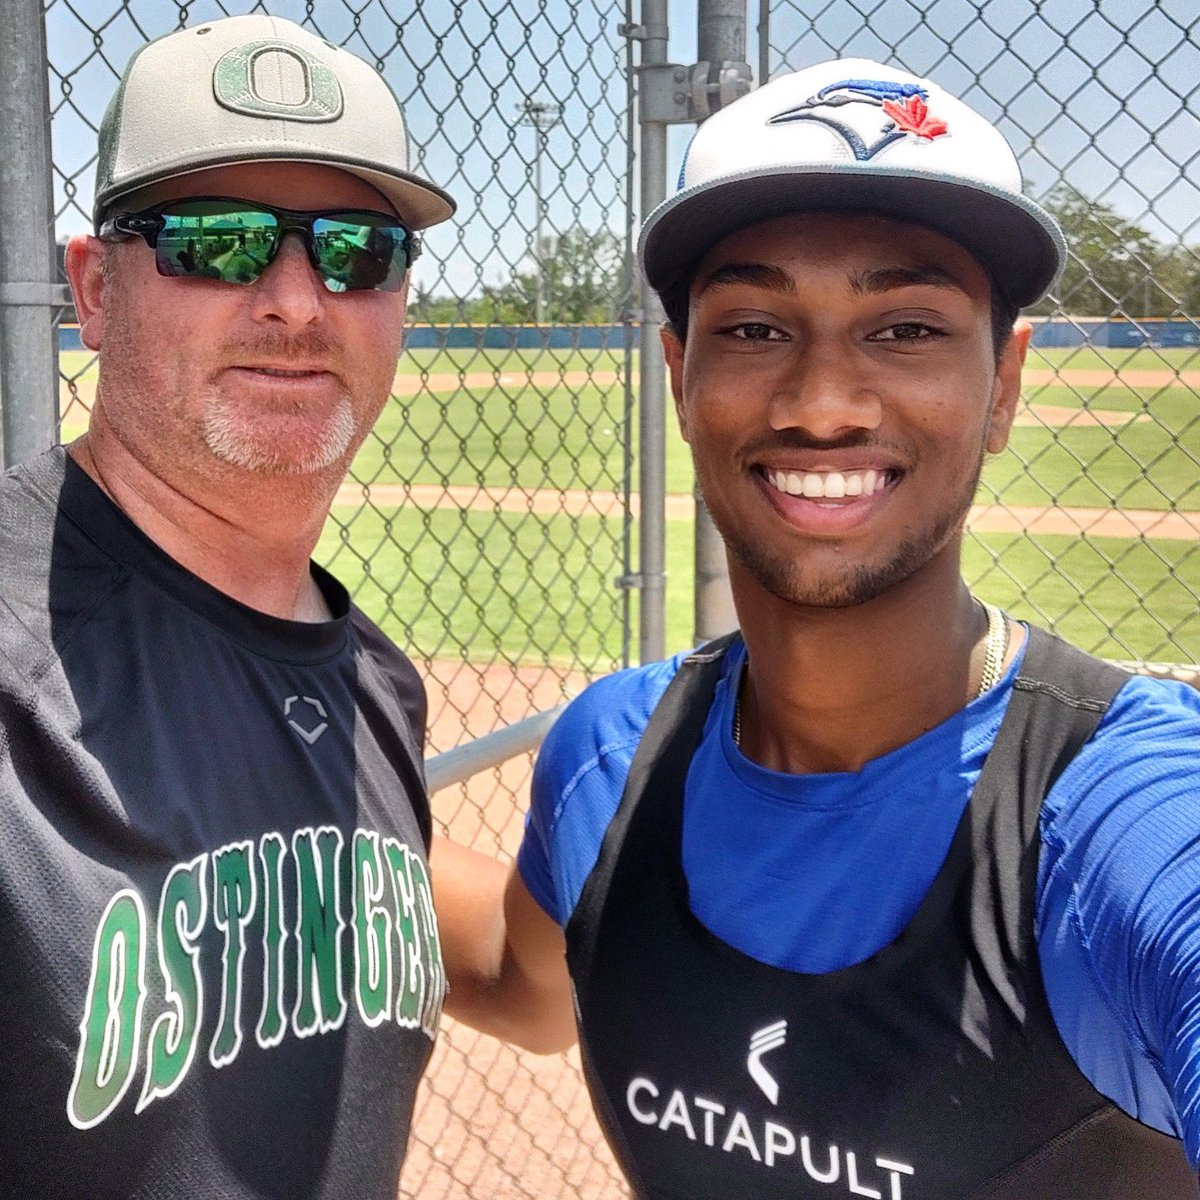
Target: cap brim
417	201
420	202
1017	243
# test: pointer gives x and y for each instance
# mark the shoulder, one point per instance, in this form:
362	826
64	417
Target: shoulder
1146	703
42	476
29	510
1139	770
376	646
578	780
1145	697
54	574
606	719
1150	736
390	674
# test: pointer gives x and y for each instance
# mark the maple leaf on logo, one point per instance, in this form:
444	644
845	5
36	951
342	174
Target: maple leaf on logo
913	117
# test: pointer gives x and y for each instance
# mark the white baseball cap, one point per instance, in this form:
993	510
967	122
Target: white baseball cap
856	136
256	89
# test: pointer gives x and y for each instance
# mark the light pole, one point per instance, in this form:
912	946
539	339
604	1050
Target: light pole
542	115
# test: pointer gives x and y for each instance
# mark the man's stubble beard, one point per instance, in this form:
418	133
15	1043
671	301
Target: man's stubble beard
239	444
785	577
257	443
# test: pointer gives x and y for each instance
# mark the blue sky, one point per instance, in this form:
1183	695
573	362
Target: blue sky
1103	91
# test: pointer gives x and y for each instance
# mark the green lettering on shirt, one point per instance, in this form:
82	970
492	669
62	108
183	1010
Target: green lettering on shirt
111	1027
320	1000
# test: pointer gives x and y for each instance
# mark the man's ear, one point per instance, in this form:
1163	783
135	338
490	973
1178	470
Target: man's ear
673	353
1006	391
84	261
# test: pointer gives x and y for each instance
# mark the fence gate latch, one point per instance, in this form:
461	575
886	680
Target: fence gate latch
639	579
716	84
671	94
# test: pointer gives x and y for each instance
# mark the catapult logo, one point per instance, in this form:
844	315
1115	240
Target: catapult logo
700	1123
761	1043
869	114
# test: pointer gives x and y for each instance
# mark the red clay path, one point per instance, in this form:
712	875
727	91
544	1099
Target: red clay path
989	518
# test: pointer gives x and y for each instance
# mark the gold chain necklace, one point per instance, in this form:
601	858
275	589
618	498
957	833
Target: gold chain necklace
994	650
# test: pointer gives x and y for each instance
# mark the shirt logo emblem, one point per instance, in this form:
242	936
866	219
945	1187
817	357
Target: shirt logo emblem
769	1038
311	719
862	109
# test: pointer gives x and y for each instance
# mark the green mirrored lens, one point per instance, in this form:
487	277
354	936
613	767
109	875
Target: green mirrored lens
353	255
235	241
216	241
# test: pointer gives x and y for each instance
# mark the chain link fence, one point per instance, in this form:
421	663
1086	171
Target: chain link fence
486	522
1090	522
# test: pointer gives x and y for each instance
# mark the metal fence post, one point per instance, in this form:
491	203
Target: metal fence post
652	454
721	38
764	41
28	292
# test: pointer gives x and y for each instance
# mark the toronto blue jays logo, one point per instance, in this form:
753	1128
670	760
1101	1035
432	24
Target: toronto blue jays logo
903	105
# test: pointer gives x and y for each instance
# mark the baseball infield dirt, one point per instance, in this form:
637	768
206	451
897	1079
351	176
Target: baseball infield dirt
988	518
494	1123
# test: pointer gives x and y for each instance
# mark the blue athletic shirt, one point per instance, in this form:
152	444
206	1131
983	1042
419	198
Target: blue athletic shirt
813	873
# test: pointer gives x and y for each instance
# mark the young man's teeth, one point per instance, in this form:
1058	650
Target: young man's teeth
828	485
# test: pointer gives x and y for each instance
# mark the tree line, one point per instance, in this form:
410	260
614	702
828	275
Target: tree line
582	281
1115	267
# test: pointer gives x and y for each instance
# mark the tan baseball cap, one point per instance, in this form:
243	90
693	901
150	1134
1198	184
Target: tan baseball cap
257	89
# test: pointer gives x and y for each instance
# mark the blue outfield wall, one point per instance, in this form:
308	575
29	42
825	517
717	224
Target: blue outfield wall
1048	332
480	337
1158	332
520	337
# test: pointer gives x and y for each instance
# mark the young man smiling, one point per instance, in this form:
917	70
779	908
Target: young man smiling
890	894
222	974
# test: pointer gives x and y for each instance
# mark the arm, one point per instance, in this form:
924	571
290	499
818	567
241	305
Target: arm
1119	909
505	958
502	941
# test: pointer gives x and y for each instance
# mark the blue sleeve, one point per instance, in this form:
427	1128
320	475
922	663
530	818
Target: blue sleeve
578	780
1119	907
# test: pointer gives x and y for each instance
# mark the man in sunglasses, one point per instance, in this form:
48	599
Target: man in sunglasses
222	974
889	895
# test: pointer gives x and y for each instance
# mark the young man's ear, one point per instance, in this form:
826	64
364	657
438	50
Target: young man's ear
1006	391
673	353
84	261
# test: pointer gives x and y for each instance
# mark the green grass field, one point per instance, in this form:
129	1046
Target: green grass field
504	586
1177	358
502	436
541	588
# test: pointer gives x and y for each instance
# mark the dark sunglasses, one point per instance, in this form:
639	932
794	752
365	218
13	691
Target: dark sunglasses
217	237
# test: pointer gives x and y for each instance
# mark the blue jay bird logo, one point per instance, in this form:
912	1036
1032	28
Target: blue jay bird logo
904	106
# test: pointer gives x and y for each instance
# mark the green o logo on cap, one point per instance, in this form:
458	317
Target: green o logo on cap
277	79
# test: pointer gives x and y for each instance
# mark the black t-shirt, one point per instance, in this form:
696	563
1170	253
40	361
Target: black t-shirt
221	972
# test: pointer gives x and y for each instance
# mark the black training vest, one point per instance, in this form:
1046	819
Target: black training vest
931	1071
